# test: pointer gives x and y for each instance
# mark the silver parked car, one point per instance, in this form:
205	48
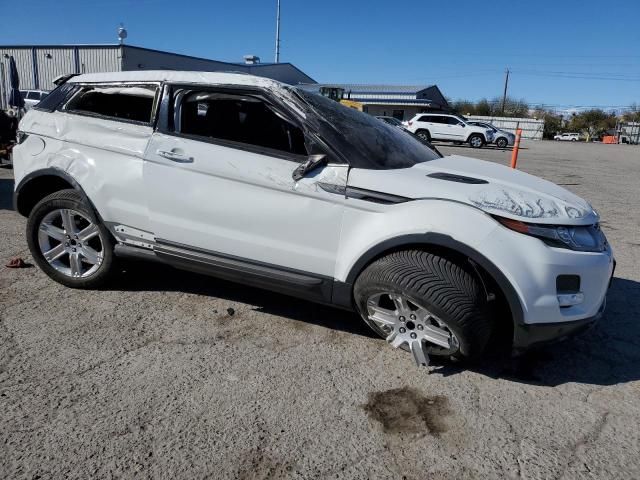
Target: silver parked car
501	138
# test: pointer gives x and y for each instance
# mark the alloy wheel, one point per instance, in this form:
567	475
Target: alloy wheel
70	242
407	324
476	142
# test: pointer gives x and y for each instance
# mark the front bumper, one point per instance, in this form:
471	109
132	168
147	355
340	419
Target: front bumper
527	336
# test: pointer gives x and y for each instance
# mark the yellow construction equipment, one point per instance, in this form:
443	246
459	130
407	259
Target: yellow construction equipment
337	94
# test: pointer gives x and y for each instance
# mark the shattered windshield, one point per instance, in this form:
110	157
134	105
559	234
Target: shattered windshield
365	141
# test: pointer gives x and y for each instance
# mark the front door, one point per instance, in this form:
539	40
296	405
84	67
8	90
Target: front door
219	182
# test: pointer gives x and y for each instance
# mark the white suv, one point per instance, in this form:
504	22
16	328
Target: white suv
265	184
449	128
567	137
32	97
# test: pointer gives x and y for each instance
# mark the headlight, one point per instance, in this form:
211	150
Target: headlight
583	238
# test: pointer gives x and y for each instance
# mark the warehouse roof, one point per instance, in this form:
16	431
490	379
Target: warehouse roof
283	71
383	88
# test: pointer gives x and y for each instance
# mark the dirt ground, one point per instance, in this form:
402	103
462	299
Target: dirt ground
168	374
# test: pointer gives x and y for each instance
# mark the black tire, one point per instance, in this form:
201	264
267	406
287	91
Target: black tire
502	142
70	199
473	140
449	289
424	135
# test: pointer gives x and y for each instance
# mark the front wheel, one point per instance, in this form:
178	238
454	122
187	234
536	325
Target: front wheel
68	242
502	142
425	303
476	140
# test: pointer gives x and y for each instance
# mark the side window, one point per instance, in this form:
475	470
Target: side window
426	118
57	97
122	102
33	95
438	119
453	120
243	119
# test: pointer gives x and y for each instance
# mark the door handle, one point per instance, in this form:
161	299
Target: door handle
175	156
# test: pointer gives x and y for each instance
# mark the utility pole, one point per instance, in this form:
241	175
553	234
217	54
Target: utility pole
506	83
278	33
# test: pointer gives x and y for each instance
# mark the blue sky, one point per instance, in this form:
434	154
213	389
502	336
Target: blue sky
561	53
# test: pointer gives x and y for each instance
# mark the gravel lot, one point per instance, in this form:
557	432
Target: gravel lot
174	375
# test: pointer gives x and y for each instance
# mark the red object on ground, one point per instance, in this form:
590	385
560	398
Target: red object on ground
516	146
609	139
16	262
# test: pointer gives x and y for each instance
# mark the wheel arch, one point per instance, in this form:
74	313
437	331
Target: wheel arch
40	183
484	138
490	275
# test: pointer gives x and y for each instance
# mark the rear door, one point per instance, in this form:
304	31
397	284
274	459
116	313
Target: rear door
105	129
456	129
218	178
435	126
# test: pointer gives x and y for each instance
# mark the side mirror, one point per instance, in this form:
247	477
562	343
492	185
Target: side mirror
313	162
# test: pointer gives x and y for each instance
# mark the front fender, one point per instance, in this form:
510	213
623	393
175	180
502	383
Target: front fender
369	233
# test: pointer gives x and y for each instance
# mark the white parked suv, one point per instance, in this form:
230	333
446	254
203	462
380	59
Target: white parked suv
567	137
449	128
266	184
32	97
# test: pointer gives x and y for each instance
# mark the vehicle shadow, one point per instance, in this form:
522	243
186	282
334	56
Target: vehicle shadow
607	354
6	194
156	277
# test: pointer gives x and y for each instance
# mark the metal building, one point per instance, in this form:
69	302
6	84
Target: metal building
39	65
400	101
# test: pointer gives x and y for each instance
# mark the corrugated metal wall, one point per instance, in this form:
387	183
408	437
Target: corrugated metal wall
23	58
53	62
39	66
99	59
531	128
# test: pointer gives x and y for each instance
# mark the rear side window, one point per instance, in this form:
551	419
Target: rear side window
56	98
33	95
133	103
242	119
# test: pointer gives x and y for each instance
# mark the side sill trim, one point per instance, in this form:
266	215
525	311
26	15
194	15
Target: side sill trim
284	280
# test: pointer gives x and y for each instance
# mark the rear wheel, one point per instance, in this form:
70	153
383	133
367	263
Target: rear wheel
68	242
476	140
502	142
424	135
426	304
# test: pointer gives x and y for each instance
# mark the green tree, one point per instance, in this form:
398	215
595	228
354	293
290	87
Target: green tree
552	122
593	122
632	114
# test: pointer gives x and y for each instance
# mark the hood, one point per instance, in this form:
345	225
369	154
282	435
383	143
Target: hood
491	187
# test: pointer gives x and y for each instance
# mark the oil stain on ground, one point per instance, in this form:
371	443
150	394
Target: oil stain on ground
405	410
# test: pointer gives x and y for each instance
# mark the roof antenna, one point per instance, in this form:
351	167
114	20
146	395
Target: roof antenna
122	33
278	33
